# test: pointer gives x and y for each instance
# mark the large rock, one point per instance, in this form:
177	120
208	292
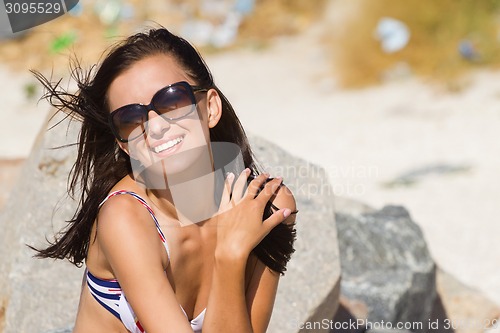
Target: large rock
9	173
42	295
387	272
309	291
38	294
466	309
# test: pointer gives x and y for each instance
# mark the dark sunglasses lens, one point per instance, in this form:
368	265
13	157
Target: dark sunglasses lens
130	121
174	102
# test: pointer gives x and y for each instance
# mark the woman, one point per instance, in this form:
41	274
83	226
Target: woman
165	250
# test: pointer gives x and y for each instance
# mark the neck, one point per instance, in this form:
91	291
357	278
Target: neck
189	202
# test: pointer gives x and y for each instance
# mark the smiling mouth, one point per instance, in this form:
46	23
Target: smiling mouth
168	145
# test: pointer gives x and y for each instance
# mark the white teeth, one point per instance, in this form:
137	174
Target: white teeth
167	145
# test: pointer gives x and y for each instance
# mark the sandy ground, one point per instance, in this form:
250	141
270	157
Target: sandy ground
367	138
363	138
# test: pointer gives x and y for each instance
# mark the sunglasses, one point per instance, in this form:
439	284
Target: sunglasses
172	102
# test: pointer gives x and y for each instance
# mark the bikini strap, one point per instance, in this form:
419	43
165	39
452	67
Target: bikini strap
145	204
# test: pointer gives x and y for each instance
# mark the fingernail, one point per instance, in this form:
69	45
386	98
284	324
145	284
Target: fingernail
229	175
279	178
247	171
286	212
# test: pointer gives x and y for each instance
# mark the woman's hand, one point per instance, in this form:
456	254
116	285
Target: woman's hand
239	222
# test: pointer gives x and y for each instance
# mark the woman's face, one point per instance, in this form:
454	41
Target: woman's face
175	145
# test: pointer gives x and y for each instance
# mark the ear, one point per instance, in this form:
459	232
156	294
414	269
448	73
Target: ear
124	147
214	107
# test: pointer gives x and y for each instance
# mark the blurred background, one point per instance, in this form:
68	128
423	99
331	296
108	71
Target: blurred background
397	100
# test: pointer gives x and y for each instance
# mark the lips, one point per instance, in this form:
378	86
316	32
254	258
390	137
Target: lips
163	145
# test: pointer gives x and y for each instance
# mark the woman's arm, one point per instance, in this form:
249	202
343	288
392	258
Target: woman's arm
130	243
230	308
263	285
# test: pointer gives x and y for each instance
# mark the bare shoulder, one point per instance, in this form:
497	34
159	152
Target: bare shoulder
284	199
122	206
123	220
123	229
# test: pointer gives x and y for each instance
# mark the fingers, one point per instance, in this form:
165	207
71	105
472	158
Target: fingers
256	184
275	219
256	189
240	185
226	193
269	190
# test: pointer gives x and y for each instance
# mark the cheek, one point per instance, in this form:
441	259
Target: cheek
133	148
205	124
198	133
197	127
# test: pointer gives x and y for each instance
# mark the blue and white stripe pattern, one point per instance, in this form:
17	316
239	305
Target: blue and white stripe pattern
106	292
109	292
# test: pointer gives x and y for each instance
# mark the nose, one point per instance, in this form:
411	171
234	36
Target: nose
157	125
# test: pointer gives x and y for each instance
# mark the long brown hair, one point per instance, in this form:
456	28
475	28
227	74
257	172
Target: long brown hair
100	163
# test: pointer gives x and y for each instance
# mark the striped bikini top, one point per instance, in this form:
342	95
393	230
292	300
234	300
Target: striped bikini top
110	295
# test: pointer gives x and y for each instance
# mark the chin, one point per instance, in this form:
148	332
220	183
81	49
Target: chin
185	165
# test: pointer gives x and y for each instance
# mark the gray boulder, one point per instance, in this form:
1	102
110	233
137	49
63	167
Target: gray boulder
309	291
387	272
38	295
42	295
64	330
